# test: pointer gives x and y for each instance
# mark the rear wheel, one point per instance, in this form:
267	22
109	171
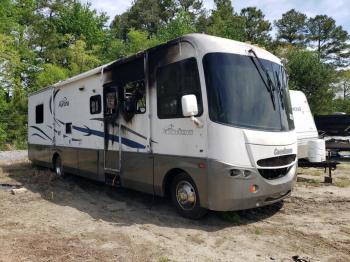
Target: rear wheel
58	167
184	195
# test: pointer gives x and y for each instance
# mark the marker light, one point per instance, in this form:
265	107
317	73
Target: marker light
253	188
201	165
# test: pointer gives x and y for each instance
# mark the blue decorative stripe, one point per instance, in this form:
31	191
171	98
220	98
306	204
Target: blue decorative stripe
125	128
125	141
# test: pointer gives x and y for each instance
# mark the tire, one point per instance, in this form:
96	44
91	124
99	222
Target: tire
58	167
185	198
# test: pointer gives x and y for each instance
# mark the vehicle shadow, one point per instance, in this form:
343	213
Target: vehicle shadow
121	206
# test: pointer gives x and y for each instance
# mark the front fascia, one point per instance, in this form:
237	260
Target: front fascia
243	148
232	148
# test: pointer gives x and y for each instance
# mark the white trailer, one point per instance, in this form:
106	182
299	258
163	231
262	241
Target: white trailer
310	147
204	120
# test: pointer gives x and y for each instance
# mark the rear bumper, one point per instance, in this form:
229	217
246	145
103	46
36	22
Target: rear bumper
228	193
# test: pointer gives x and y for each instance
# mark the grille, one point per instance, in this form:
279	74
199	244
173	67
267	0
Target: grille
277	161
274	173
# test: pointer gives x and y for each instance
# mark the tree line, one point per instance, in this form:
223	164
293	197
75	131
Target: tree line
45	41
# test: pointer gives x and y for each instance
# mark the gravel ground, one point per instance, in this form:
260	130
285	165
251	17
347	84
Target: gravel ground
13	155
75	219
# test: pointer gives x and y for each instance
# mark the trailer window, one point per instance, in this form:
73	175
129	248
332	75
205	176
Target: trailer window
39	114
68	128
174	81
95	104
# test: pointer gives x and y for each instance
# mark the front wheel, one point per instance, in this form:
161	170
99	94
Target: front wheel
184	195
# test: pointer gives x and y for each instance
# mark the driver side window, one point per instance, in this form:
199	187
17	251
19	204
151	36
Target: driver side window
174	81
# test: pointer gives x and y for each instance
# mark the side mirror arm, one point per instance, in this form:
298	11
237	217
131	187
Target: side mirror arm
197	122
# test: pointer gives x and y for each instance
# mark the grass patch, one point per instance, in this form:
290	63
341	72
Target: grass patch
310	171
231	217
164	259
342	182
308	181
257	231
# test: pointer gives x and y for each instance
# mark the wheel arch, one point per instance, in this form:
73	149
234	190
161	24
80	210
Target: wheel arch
54	157
168	179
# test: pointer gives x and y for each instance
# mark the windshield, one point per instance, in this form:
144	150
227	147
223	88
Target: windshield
237	94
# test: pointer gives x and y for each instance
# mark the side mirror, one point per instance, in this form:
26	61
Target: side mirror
189	105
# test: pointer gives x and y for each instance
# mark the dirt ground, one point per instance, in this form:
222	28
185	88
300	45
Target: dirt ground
79	220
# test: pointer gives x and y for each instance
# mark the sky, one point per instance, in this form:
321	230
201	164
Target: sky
273	9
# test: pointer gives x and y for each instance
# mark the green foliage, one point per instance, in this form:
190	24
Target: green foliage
343	85
49	75
341	105
225	22
80	21
80	59
291	28
144	15
257	29
308	74
329	40
182	24
137	41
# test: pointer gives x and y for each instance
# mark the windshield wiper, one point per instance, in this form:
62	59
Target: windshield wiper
280	91
269	85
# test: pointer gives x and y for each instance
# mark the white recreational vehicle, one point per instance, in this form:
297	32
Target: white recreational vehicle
202	119
310	147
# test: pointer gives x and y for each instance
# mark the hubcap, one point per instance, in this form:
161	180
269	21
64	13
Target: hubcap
185	195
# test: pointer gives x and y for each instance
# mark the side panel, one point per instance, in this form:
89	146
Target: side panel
138	171
177	142
37	150
79	134
40	129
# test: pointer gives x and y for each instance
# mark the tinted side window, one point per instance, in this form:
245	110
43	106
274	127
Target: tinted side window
39	114
68	128
174	81
95	104
135	96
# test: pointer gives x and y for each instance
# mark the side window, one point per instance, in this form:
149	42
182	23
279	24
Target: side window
134	94
39	114
68	128
174	81
95	104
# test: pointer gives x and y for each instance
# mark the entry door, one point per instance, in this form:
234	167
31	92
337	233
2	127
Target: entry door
127	125
112	130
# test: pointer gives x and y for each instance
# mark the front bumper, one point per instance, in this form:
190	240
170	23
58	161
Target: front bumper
228	193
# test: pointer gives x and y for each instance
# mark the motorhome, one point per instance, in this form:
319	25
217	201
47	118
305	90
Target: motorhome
310	147
204	120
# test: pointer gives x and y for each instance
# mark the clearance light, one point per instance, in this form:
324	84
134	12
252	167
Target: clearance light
201	165
253	188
